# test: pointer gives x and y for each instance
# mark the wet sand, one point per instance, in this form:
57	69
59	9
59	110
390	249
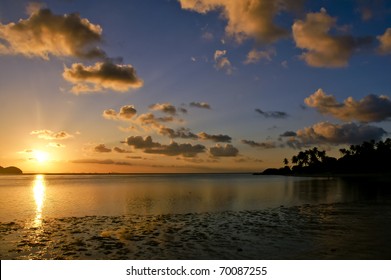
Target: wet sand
327	231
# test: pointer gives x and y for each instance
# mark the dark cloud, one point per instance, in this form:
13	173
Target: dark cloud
224	151
175	149
272	114
288	134
106	161
371	108
348	133
261	145
45	33
121	151
215	138
202	105
102	75
101	148
139	142
179	133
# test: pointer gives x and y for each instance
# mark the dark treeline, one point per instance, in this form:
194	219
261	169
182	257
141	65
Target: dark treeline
10	170
368	157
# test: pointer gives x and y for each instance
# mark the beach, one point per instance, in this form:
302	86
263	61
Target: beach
325	231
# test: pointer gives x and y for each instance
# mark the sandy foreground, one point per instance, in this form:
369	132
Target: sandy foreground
328	231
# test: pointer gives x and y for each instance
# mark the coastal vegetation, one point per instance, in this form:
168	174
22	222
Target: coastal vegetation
368	157
10	170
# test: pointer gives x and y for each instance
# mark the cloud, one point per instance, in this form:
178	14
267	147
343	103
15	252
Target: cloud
385	42
151	119
102	75
371	108
50	135
139	142
106	161
166	108
175	149
247	18
179	133
45	33
288	134
255	56
272	114
101	148
202	105
224	151
126	113
121	151
262	145
348	133
222	62
322	48
56	145
214	138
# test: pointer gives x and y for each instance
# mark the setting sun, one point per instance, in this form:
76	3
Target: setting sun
41	156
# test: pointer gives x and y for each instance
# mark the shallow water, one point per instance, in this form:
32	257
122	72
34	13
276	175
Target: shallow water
36	197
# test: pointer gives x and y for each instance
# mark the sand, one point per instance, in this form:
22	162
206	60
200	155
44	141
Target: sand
327	231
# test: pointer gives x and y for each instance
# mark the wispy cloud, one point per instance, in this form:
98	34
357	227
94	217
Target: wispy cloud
272	114
98	161
222	62
260	145
214	138
202	105
50	135
254	56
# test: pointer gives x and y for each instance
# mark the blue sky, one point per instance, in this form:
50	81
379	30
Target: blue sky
189	86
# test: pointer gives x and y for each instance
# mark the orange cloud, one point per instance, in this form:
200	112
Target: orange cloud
45	33
385	42
126	113
247	18
322	48
371	108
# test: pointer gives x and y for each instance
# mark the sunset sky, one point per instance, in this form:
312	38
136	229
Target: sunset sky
189	85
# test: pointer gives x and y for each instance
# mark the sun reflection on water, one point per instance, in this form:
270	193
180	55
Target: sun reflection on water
39	197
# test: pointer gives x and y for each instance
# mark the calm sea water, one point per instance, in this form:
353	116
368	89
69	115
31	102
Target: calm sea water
40	196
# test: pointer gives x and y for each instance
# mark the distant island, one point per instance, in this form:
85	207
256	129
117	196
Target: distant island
10	170
370	157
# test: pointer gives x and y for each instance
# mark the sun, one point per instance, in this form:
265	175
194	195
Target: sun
41	156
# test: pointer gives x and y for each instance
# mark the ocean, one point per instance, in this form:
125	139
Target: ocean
193	216
51	196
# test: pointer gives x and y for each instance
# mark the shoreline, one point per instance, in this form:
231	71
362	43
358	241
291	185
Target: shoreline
326	231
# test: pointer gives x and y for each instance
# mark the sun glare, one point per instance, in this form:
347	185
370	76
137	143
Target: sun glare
41	156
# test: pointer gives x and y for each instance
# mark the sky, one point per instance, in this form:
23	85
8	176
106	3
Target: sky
189	85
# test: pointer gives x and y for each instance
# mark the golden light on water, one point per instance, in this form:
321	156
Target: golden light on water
39	197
